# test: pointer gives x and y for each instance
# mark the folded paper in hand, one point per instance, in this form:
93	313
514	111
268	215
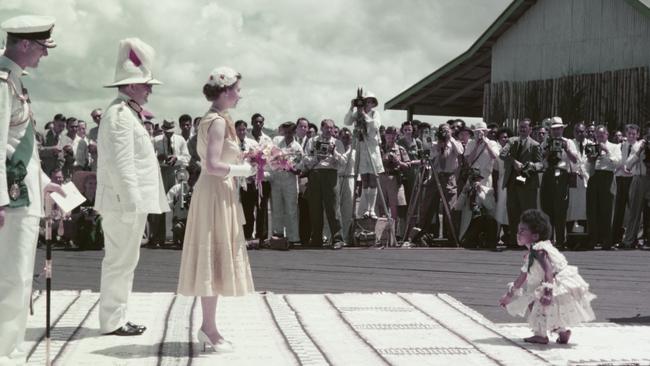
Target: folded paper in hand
72	199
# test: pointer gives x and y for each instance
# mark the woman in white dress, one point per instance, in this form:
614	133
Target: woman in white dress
366	122
214	260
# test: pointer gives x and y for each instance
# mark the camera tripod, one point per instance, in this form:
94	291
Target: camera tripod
414	202
356	142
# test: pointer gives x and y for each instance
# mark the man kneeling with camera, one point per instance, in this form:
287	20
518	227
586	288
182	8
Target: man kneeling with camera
179	197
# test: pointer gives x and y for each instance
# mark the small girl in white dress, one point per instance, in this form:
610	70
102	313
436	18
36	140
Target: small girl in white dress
548	290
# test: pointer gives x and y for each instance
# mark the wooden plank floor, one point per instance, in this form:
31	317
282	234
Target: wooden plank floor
620	279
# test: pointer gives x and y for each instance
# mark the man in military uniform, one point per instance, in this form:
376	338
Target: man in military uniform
129	184
21	180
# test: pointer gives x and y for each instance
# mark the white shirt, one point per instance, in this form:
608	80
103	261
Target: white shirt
74	142
295	149
608	160
485	161
347	169
313	161
449	158
263	139
634	162
626	149
175	201
565	162
178	148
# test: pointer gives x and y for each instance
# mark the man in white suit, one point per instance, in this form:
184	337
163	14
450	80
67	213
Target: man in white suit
21	180
129	184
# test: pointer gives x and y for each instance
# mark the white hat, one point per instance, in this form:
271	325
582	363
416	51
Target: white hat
134	61
556	122
369	95
480	125
33	27
223	77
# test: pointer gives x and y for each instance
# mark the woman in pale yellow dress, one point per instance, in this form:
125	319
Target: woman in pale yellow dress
214	260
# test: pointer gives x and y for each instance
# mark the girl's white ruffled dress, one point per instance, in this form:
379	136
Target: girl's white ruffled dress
571	304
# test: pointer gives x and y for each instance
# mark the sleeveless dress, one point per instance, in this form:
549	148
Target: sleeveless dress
214	259
571	303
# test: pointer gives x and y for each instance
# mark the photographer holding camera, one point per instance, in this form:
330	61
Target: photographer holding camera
599	194
522	159
476	200
623	177
323	156
173	155
396	163
366	122
444	156
179	197
637	163
413	147
559	153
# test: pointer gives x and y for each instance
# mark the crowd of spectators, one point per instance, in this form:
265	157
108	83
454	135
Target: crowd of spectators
449	184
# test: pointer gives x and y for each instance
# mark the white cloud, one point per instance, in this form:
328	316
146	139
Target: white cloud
297	57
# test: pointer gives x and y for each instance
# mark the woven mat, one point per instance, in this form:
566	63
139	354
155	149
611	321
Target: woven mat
341	329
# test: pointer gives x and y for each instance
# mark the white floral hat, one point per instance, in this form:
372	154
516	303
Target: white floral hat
223	77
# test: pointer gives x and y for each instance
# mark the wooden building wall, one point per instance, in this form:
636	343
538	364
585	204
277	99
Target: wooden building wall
614	98
556	38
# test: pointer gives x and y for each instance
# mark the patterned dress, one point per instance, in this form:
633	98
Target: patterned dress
571	302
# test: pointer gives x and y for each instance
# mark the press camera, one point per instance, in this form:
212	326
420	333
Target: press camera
323	148
442	134
592	151
556	145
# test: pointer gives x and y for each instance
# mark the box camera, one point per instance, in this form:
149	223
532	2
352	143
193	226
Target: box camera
323	148
592	150
555	145
442	135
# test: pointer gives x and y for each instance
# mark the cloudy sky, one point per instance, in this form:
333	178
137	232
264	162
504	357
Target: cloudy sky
297	57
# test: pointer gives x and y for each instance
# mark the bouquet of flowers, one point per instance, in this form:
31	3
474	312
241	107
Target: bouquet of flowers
270	157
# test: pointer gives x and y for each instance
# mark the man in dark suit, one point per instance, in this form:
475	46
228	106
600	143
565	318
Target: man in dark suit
523	159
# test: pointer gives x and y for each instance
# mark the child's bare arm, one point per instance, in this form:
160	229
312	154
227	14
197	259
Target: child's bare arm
512	289
545	262
547	285
520	280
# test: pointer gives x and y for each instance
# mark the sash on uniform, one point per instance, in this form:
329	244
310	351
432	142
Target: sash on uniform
17	169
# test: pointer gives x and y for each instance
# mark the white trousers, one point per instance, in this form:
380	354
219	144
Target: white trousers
122	237
345	191
18	238
284	205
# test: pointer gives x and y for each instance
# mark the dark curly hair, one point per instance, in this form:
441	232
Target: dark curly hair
537	222
212	92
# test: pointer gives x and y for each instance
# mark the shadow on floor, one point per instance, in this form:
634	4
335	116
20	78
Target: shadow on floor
637	319
133	351
60	333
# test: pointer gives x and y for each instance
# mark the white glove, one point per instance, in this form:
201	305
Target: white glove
241	170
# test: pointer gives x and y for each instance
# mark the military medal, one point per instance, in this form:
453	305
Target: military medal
14	191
